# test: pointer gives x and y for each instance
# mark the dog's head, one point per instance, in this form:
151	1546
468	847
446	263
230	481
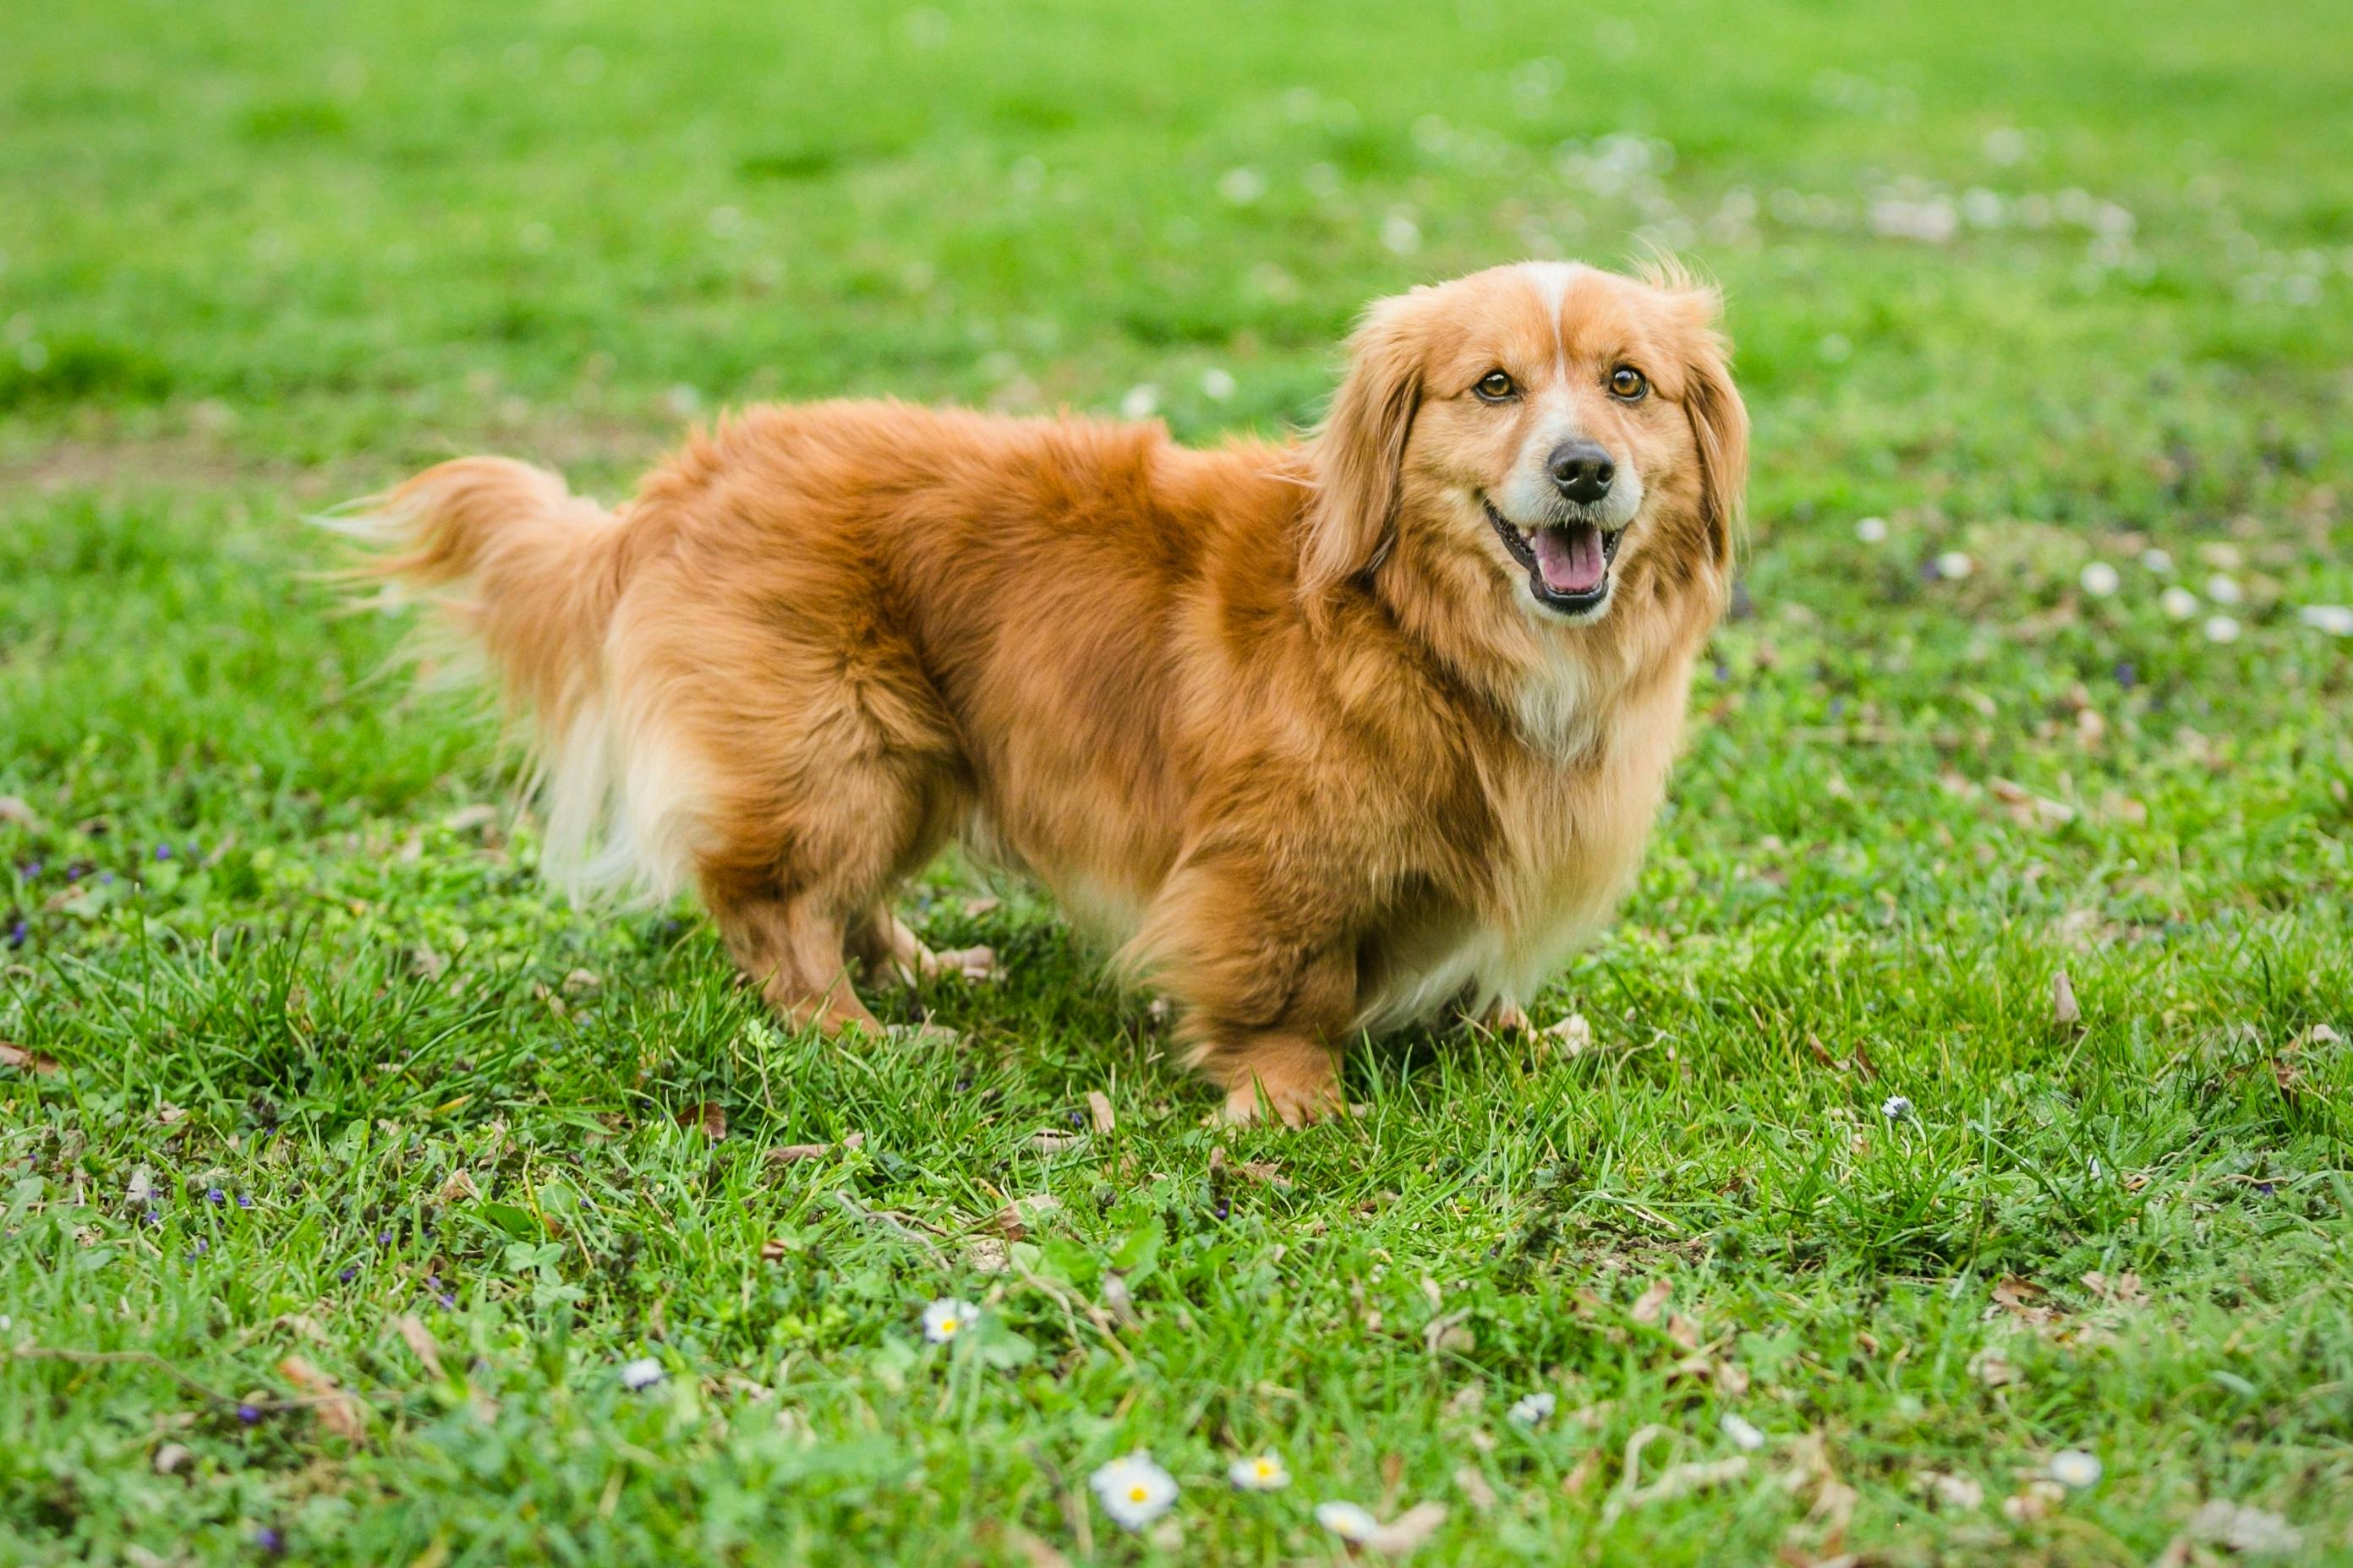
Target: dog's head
1563	434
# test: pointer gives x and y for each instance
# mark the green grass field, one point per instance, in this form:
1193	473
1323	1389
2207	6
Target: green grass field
305	1063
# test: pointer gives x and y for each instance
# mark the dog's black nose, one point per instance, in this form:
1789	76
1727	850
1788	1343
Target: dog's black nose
1582	471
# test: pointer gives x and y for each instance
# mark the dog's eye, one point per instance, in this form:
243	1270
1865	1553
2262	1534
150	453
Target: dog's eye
1627	383
1495	386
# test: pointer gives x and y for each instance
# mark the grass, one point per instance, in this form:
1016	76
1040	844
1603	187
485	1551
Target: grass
2045	287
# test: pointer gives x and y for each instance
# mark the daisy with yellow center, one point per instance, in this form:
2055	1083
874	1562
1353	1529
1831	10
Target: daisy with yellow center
1263	1473
945	1320
1134	1491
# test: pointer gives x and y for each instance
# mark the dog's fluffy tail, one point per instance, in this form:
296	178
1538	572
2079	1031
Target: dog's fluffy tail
528	575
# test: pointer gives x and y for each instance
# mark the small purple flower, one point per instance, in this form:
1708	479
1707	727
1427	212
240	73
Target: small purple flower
73	873
154	1216
269	1541
162	852
203	1247
106	877
1224	1208
383	1239
2267	1188
215	1196
433	1282
248	1415
244	1200
349	1274
31	869
448	1302
2127	675
18	934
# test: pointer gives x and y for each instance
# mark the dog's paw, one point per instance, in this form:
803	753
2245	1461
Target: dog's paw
1505	1018
1295	1105
977	964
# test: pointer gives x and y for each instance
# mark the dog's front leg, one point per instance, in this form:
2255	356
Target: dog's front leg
1267	984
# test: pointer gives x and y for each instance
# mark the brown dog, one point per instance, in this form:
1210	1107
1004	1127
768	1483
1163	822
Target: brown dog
1324	736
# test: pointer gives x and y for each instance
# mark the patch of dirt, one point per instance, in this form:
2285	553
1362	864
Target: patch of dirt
205	453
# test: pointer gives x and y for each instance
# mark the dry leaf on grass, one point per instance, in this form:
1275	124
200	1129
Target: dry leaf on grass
1055	1142
22	1060
172	1456
1572	1037
1099	1110
2021	1299
420	1341
1016	1219
1652	1301
2064	1013
792	1152
710	1115
336	1411
2124	1290
1474	1486
1993	1369
14	808
1953	1490
459	1186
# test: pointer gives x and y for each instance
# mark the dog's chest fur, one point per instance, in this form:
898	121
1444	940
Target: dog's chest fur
1569	843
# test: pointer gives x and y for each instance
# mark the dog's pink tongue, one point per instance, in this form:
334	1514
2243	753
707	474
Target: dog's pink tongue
1570	558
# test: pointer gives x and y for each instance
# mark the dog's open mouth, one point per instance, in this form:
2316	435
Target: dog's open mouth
1567	562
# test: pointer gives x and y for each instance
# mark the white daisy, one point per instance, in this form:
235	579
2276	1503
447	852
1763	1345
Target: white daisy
1134	1491
2222	629
642	1373
2337	620
1262	1473
1895	1108
946	1319
2100	579
1870	529
2179	603
1534	1410
2156	561
2075	1469
1350	1522
1142	402
1954	564
1216	385
2223	590
1745	1435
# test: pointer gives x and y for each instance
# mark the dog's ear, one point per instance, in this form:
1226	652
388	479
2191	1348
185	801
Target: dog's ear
1360	450
1719	423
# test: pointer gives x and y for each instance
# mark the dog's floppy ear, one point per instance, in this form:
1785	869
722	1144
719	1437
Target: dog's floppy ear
1360	450
1719	423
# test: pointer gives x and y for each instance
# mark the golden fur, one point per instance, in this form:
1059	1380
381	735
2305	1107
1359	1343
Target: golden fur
1284	722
